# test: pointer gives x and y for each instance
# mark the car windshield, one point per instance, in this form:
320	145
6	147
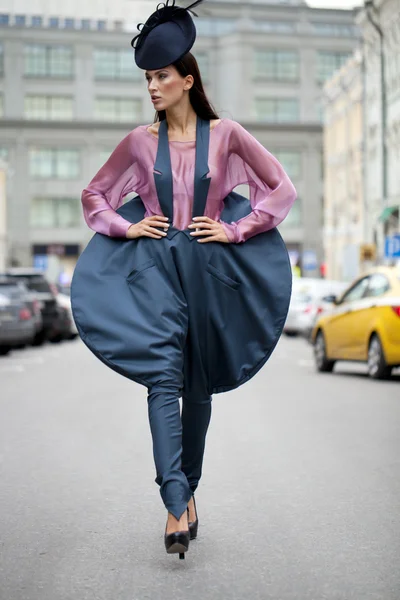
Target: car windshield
8	289
35	283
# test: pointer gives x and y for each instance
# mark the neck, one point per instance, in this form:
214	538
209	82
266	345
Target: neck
181	119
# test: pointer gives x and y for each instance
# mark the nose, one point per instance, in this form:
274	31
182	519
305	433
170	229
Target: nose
151	87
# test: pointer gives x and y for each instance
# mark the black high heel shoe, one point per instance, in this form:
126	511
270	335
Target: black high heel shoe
193	525
177	542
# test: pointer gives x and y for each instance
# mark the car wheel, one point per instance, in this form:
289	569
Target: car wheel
377	367
39	339
323	364
4	350
290	333
56	339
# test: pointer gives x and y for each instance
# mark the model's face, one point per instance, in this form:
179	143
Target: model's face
167	87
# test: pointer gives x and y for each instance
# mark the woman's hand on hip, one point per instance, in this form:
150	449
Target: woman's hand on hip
148	228
208	230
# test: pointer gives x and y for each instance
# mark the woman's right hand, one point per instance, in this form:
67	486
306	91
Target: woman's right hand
147	228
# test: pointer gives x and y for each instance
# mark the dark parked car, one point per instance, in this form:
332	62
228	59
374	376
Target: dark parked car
18	289
17	322
56	322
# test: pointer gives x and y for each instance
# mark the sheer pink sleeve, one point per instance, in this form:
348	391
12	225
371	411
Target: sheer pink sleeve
119	176
272	194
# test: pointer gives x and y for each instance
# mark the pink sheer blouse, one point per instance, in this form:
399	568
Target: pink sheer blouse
235	157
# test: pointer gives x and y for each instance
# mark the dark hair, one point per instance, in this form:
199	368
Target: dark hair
187	65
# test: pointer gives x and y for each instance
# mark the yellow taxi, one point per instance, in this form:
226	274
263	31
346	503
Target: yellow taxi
363	325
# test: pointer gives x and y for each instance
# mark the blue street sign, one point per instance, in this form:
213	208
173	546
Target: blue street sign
309	260
392	246
41	261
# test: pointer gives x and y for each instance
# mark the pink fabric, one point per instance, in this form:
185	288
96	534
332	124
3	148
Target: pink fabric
235	157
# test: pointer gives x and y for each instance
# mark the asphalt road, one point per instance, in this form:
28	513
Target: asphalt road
300	498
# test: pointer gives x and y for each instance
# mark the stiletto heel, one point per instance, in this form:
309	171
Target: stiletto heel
193	525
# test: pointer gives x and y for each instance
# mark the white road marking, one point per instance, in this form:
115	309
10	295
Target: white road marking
34	360
305	363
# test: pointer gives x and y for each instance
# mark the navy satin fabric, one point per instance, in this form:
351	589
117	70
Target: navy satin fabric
205	317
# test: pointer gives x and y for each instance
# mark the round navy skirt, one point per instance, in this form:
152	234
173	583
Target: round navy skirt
172	310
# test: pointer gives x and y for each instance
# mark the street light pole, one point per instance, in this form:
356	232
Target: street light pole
370	7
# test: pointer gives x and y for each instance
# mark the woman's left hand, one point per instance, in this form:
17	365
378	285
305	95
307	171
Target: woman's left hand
209	230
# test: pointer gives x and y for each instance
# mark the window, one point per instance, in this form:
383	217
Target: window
36	21
215	27
1	106
104	155
4	19
121	110
1	60
85	24
378	285
4	153
329	62
357	291
101	25
20	20
277	65
55	212
274	26
204	65
69	23
277	110
290	160
48	61
113	63
54	163
54	22
335	29
319	110
295	217
52	108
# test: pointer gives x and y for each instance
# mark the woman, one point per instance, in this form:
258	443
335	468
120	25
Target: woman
184	319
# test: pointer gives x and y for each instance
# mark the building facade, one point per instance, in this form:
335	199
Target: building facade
117	10
380	26
69	92
344	211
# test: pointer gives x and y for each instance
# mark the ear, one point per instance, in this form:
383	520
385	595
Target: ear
189	81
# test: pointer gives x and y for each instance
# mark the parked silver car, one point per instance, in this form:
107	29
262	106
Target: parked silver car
307	303
56	321
17	322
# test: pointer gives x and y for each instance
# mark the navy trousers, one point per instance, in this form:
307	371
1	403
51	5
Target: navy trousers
178	443
178	438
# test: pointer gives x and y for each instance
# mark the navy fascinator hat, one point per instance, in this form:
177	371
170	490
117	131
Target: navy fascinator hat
168	34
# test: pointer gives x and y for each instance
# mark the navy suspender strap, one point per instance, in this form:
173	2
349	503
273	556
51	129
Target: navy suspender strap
163	173
201	181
